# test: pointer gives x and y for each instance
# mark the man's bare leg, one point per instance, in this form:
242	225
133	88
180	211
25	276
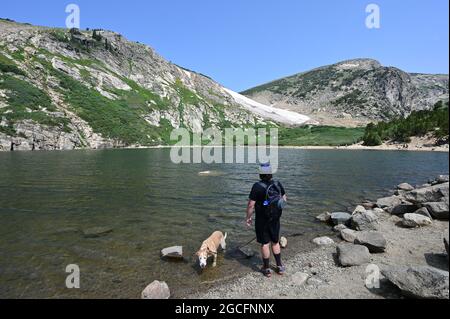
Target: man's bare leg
265	251
265	254
276	249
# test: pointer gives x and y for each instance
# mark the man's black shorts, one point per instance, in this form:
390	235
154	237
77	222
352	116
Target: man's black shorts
267	232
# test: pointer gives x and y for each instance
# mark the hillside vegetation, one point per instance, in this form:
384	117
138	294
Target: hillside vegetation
419	123
320	136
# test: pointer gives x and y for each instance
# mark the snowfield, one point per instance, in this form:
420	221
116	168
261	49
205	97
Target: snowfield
269	112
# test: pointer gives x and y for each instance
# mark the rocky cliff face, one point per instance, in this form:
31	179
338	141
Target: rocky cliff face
354	91
67	89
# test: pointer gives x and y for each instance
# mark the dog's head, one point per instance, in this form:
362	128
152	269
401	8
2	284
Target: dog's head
202	257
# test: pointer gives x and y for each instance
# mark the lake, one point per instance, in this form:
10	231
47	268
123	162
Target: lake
47	200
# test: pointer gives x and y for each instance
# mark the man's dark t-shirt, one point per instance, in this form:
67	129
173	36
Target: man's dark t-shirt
266	231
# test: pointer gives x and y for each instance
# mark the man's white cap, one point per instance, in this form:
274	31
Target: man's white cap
265	169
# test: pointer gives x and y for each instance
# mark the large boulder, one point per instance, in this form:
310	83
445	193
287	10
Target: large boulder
339	228
175	252
405	187
340	218
156	290
424	212
390	201
373	240
359	209
419	282
325	217
442	179
439	210
378	211
349	235
323	241
415	220
364	220
404	208
353	255
428	194
368	205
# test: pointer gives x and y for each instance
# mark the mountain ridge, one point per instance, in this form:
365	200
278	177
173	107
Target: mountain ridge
98	90
354	91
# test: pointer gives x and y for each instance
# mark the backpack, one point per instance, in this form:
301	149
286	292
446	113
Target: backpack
273	202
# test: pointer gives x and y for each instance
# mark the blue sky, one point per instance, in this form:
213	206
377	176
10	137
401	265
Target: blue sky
243	43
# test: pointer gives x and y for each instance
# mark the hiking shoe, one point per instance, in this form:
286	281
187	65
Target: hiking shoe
266	272
281	270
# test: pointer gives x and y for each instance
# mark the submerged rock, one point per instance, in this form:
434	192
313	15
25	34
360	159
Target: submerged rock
419	282
67	230
340	218
353	255
325	217
96	232
247	252
156	290
175	252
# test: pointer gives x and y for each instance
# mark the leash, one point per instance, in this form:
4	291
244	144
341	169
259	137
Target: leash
251	241
240	247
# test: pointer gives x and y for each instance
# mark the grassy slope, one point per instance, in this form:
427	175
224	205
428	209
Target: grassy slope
320	136
25	101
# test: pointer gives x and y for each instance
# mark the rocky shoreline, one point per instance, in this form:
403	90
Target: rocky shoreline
395	247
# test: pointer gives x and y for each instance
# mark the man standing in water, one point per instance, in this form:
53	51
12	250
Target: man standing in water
267	199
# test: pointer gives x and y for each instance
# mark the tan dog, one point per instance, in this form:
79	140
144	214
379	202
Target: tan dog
210	248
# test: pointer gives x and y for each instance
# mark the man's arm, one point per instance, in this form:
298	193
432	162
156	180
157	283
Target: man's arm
250	210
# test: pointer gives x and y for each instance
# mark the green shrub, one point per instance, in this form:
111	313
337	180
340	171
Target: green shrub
418	123
24	103
8	66
115	119
372	139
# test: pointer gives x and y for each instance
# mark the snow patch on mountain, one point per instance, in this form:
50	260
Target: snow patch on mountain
269	112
